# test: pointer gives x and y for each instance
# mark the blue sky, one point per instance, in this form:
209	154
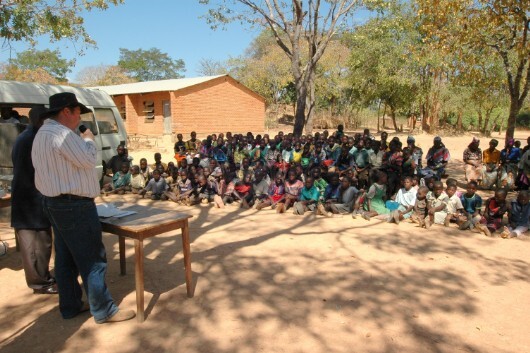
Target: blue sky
173	26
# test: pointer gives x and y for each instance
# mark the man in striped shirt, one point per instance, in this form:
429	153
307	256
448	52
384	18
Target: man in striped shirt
65	174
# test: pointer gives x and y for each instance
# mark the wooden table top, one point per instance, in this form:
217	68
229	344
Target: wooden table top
147	222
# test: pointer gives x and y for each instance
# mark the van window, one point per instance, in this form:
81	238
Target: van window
106	121
88	120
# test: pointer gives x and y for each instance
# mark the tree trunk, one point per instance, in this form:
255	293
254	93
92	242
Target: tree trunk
514	110
479	112
310	103
378	115
486	120
384	113
459	121
393	115
299	114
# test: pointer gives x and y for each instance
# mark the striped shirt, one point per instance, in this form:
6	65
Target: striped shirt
64	162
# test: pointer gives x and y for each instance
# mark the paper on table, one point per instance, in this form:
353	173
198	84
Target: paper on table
110	210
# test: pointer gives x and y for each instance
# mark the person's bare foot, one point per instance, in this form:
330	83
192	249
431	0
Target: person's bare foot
218	201
427	222
484	229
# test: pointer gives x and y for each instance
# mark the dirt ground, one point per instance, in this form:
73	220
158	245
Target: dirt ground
283	283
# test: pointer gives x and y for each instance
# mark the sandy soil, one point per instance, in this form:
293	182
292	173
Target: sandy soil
283	283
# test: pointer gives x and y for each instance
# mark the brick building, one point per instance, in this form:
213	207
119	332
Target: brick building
206	105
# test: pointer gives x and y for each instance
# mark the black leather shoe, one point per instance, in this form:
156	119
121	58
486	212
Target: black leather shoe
46	290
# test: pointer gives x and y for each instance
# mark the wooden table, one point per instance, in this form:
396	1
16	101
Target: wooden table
148	222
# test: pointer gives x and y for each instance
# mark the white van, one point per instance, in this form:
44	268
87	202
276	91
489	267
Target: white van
105	121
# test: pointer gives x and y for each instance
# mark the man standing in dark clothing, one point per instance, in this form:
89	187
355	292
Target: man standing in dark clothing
117	161
27	217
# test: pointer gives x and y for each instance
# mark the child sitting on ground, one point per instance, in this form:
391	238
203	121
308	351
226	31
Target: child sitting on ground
243	190
518	213
276	195
437	205
137	180
293	187
157	185
471	202
121	181
345	198
420	206
309	197
406	198
495	208
320	183
145	170
204	192
453	182
260	187
180	189
375	197
454	207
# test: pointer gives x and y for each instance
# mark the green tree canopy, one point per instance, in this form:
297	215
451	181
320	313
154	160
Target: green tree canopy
48	60
24	20
150	65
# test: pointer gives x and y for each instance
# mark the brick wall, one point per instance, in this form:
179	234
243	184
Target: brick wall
215	106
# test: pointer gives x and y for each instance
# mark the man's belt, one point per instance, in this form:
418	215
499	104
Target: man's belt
72	197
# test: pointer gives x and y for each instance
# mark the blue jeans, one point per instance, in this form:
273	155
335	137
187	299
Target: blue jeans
79	249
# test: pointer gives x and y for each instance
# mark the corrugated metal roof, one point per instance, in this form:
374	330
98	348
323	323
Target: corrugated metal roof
156	86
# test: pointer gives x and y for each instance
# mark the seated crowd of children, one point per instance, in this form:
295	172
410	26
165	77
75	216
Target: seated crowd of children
325	174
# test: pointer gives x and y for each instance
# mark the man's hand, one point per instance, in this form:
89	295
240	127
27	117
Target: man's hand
87	134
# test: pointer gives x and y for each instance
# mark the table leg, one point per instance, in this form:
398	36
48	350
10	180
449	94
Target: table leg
123	268
187	257
139	278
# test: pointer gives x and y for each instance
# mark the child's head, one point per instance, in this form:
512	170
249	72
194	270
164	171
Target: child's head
451	182
334	179
382	178
340	127
345	183
124	168
201	180
245	163
156	174
247	178
184	163
158	157
471	188
291	176
522	197
415	180
179	137
422	192
143	163
160	168
315	173
298	146
438	188
299	170
450	190
196	161
206	172
500	195
309	181
278	179
429	182
135	170
183	175
407	183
